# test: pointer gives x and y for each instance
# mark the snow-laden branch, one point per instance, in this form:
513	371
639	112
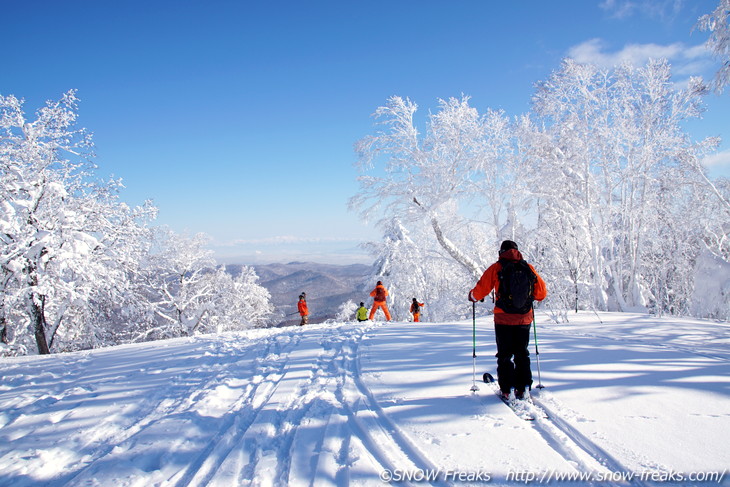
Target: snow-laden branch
469	264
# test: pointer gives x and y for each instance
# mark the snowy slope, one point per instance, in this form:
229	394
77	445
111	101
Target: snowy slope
349	404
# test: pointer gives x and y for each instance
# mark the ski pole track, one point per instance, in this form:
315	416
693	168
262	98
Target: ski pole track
312	400
271	454
182	395
325	458
363	423
315	402
331	454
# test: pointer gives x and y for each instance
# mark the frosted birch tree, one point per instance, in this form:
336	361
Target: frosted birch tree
718	24
617	148
463	165
602	170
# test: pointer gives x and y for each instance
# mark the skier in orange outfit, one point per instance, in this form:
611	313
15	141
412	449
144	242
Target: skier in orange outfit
303	309
379	294
416	310
511	326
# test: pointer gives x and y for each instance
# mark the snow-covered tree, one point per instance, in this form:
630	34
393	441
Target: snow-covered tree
60	229
189	294
710	296
615	158
718	23
81	269
412	264
178	284
346	311
240	303
600	184
418	180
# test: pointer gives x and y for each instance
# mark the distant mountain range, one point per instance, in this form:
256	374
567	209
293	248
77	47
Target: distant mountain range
327	287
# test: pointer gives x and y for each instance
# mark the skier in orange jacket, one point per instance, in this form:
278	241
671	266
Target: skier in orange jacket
416	310
379	295
512	326
303	309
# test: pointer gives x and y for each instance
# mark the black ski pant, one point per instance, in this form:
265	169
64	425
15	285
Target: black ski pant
512	342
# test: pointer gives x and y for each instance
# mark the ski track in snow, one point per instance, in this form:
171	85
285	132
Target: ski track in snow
302	417
272	444
276	407
557	433
574	445
109	443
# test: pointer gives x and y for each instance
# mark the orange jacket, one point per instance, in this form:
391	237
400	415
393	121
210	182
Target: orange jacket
379	293
302	307
490	280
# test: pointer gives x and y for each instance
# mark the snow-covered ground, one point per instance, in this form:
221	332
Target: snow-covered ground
352	404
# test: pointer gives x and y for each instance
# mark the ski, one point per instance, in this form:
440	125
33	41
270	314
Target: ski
524	408
521	407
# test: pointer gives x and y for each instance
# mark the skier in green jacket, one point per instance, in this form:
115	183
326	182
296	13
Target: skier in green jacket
362	313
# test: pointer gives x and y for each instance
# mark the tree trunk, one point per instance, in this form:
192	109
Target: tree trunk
38	323
3	326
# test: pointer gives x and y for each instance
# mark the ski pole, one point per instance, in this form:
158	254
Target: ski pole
537	352
474	387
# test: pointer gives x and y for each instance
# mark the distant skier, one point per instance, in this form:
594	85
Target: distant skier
379	294
362	313
416	310
303	309
516	285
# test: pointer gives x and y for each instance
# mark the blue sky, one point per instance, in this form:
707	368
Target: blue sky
238	118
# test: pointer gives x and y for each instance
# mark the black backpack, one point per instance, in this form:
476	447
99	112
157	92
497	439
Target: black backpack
415	307
516	283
